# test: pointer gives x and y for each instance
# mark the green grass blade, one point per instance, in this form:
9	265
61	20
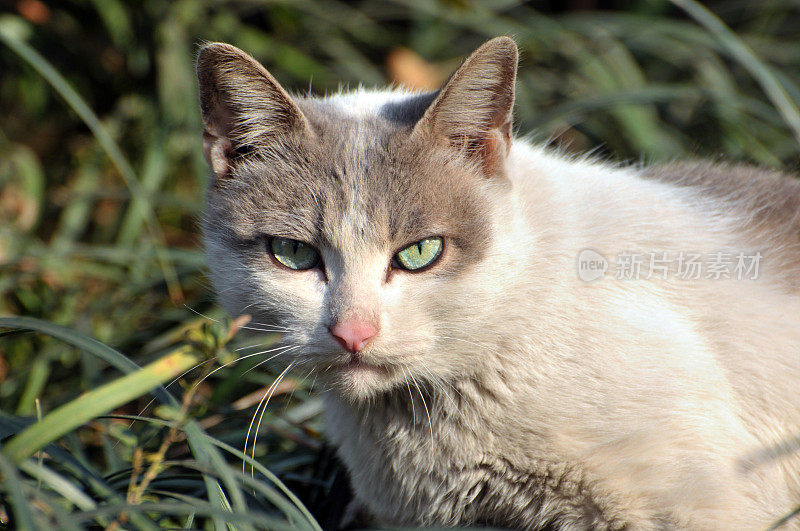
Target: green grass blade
760	71
116	20
62	520
67	462
272	478
84	343
290	511
574	110
32	178
203	449
77	215
35	383
97	402
217	500
207	453
12	484
256	518
59	484
153	174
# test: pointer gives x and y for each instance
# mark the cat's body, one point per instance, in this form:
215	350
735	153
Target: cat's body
496	386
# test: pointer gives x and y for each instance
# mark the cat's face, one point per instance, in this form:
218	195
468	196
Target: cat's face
367	234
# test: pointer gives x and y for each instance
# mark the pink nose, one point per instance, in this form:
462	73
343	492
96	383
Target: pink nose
353	335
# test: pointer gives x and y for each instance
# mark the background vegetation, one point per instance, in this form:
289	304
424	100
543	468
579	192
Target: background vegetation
101	188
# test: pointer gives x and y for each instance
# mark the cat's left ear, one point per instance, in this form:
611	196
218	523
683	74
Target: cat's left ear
473	111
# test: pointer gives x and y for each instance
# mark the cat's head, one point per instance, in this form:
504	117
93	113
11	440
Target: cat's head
367	225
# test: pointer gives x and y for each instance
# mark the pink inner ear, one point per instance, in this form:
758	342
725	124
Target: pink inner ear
217	146
218	152
493	150
490	149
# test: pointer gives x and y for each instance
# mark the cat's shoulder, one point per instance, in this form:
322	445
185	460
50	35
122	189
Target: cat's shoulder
766	202
767	198
728	180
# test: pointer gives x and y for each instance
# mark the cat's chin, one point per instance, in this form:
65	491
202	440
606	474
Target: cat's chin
357	380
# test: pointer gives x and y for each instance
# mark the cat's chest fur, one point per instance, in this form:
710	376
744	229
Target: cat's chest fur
417	464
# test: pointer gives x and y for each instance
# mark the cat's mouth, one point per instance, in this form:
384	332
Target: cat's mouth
356	372
357	365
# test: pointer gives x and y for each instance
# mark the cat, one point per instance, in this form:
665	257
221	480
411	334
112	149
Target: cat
488	356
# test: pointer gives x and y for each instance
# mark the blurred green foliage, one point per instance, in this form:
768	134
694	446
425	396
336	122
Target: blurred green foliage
102	179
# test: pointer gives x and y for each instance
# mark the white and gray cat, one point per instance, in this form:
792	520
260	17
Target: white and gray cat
509	336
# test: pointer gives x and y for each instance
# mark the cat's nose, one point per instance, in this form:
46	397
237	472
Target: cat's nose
353	335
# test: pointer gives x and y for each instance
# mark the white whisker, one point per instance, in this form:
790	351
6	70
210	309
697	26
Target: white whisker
260	363
430	422
250	427
244	358
244	327
411	397
314	381
435	380
271	390
277	327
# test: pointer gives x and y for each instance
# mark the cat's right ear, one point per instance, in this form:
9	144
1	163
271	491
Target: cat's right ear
243	106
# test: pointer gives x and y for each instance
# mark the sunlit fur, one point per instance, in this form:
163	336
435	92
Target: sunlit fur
501	389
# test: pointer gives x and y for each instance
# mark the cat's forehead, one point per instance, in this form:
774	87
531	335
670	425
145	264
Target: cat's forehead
361	180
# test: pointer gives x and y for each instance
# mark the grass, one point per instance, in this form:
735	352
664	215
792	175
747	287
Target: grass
101	186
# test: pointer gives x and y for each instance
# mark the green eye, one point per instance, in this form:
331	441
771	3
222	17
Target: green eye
293	254
419	254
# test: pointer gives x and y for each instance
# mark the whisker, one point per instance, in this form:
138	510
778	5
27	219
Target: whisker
430	422
258	345
244	358
273	387
244	327
255	414
260	363
411	397
278	327
291	395
441	384
314	381
250	427
263	329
